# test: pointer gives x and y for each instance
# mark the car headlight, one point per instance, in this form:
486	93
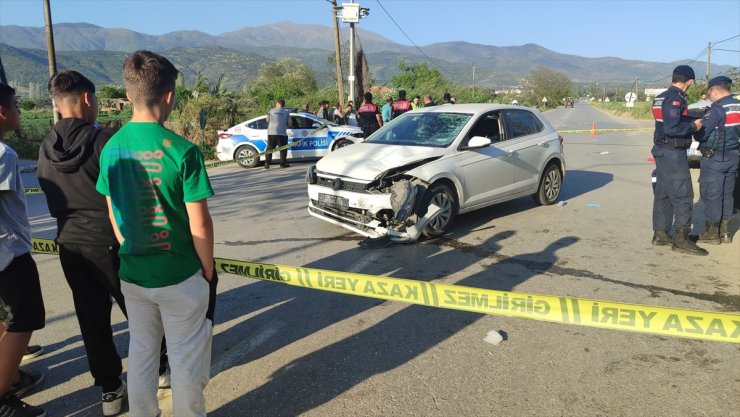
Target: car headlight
311	176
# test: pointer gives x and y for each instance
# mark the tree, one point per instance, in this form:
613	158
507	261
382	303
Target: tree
288	78
110	91
544	82
419	78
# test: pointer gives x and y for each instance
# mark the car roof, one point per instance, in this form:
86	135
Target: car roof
471	108
309	115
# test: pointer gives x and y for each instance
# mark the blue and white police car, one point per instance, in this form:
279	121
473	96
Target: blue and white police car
247	140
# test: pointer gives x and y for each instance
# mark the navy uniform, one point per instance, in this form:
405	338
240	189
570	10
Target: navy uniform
369	116
674	192
719	145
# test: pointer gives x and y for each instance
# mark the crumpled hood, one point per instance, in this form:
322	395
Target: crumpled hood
365	161
71	145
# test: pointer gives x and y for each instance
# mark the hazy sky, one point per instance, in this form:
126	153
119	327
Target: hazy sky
650	30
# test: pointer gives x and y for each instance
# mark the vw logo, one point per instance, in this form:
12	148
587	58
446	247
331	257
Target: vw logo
336	184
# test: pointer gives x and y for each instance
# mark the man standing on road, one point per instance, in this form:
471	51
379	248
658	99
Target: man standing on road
719	147
369	116
401	105
278	122
673	190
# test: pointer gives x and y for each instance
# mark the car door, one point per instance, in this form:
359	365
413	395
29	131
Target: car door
524	131
488	172
314	146
297	133
256	133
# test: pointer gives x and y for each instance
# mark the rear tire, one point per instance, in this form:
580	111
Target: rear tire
442	196
551	184
246	156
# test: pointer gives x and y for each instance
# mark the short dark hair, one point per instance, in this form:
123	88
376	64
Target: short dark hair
69	82
368	97
722	86
147	76
402	94
281	101
7	95
446	97
417	97
680	78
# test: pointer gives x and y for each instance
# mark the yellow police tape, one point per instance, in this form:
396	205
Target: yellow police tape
694	324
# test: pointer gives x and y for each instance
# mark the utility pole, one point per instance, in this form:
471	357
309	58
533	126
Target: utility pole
709	57
636	95
51	52
351	76
338	55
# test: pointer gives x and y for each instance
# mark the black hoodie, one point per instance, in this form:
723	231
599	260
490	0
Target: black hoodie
68	168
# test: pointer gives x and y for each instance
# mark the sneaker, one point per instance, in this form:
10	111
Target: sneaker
11	406
284	165
32	351
112	401
165	379
28	381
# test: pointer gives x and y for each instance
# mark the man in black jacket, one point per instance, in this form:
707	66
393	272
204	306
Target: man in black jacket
68	168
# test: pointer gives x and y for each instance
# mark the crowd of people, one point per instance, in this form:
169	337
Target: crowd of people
133	225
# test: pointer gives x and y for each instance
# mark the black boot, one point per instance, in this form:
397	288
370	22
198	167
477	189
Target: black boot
661	238
725	236
682	243
711	234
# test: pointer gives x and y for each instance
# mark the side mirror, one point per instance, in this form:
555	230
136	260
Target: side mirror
477	142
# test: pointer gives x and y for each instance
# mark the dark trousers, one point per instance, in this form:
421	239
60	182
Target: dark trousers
92	274
716	184
674	193
274	141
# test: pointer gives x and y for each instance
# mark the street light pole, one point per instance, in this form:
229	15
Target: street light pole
351	76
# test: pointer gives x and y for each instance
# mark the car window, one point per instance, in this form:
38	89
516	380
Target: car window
521	123
259	124
422	129
300	122
487	126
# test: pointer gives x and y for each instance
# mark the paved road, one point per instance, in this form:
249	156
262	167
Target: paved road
284	351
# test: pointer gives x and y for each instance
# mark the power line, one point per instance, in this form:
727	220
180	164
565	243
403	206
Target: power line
410	40
697	57
726	50
728	39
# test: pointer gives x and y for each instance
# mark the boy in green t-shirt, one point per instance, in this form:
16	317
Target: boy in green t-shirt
156	187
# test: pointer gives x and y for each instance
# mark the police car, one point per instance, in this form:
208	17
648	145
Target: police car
311	136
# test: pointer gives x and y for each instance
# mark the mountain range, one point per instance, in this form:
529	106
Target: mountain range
98	52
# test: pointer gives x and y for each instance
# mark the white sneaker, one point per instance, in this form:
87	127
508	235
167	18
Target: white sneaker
112	401
165	379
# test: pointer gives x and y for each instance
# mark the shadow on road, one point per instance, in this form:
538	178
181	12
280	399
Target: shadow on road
320	376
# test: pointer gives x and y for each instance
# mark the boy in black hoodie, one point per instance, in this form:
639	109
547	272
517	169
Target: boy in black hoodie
68	168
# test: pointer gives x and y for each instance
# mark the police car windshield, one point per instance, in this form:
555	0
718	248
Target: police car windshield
432	129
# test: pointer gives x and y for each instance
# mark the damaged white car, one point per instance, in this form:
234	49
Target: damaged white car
417	173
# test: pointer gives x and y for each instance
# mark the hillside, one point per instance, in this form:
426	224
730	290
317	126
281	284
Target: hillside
95	47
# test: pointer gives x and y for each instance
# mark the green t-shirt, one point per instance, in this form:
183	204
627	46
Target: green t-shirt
150	172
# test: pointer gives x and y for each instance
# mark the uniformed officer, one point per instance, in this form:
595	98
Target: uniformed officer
369	114
674	193
401	105
719	145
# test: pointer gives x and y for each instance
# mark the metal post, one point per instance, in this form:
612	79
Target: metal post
338	56
51	50
351	76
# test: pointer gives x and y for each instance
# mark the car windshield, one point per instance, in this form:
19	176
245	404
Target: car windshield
433	129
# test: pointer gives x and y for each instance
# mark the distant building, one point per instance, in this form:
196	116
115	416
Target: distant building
108	104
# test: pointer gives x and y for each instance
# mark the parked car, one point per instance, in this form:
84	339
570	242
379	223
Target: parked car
418	172
569	102
245	141
696	110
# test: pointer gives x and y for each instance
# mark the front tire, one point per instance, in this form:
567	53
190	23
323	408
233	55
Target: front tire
551	184
443	197
247	156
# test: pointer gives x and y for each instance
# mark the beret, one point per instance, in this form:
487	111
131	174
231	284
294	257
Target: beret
719	80
685	70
